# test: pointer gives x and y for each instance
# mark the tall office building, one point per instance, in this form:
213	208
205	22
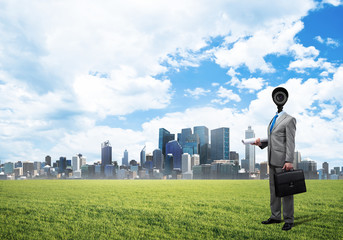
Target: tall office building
164	137
309	167
48	160
28	168
195	160
186	163
191	144
157	159
9	168
297	159
174	148
125	159
83	160
183	137
337	171
220	144
204	152
18	164
106	153
169	163
326	168
36	166
62	164
245	164
149	164
143	156
264	170
250	150
76	163
234	155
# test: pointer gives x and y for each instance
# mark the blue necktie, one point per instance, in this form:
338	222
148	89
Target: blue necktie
273	122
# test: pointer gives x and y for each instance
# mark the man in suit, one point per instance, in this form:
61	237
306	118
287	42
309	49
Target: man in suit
281	134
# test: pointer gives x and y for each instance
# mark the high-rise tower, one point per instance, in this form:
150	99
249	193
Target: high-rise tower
220	144
174	148
106	153
250	150
143	156
125	159
204	152
164	137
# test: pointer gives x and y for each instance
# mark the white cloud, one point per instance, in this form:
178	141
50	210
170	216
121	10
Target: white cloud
335	3
319	39
328	41
121	93
232	73
301	65
302	52
196	93
332	42
225	96
252	84
327	110
215	84
276	39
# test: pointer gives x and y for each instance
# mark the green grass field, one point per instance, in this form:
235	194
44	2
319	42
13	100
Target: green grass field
159	209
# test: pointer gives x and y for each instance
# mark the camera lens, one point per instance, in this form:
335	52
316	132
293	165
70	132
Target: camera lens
280	97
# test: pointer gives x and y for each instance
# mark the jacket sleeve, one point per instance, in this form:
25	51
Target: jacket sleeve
290	140
264	144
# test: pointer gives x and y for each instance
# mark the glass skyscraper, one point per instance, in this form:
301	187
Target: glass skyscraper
143	157
250	150
62	164
164	137
185	134
220	144
157	159
168	167
174	148
125	159
204	152
106	153
191	144
48	160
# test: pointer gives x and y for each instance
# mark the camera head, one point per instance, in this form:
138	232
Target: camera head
280	97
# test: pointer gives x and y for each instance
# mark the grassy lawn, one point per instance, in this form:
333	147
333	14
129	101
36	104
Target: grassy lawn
158	209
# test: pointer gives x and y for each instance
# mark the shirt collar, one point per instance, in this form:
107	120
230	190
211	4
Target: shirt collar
280	114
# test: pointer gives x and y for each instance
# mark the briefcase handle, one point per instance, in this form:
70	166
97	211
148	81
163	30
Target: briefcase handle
284	170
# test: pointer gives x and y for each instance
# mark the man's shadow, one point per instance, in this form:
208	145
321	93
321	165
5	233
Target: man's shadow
305	219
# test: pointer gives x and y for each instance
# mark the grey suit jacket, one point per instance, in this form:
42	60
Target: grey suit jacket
281	141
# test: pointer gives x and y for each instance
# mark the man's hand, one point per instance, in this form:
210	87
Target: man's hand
288	166
257	142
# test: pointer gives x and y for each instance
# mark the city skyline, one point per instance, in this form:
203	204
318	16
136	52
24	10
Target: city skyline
106	149
182	160
71	77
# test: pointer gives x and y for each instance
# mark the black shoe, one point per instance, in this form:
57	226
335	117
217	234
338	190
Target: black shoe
270	221
287	226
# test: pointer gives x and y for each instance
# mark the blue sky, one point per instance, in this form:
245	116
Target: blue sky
73	76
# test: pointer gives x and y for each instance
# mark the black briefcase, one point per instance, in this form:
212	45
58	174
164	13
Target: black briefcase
289	183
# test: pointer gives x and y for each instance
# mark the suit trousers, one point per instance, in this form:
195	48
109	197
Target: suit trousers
275	202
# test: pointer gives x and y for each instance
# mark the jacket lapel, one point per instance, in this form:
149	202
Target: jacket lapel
278	121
